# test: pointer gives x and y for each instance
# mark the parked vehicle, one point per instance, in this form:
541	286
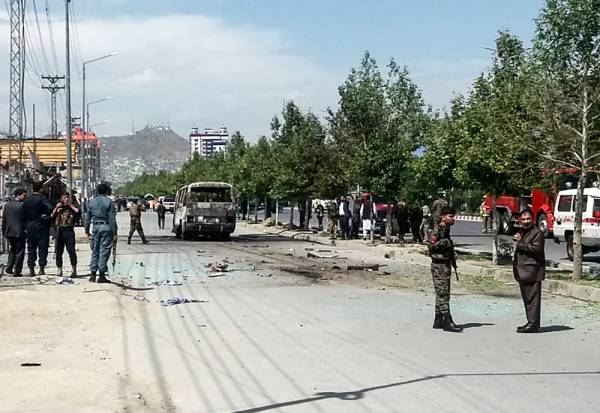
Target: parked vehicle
564	220
204	208
169	204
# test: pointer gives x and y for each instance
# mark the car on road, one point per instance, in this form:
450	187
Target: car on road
169	204
564	219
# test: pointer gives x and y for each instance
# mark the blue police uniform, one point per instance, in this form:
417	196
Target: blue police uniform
101	214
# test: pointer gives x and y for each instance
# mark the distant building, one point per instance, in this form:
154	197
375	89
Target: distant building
208	141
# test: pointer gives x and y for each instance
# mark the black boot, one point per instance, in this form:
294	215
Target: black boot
42	272
520	328
450	326
92	278
128	241
31	271
438	322
145	241
102	279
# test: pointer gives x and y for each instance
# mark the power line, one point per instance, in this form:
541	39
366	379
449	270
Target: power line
76	44
39	30
51	32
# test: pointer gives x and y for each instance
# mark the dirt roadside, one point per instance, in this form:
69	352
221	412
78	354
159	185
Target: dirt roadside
74	332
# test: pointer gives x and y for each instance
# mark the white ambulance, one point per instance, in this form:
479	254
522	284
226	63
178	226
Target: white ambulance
564	219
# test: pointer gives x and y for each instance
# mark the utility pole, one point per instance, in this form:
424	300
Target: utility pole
53	88
17	82
68	100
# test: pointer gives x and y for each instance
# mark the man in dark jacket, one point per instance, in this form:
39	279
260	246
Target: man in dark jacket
161	211
36	214
529	266
344	217
14	232
355	226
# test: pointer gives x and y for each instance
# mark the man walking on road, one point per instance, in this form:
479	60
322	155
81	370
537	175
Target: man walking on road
320	213
135	223
355	224
344	217
161	211
65	215
529	266
332	217
101	215
443	258
12	228
367	213
36	214
486	221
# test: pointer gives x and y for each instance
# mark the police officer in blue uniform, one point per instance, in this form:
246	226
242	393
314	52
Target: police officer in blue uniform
101	214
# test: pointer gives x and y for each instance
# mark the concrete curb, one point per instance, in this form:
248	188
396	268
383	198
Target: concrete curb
412	256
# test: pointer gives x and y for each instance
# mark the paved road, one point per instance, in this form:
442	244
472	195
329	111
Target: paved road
268	340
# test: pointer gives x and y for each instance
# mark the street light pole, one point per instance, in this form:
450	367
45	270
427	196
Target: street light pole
84	122
91	153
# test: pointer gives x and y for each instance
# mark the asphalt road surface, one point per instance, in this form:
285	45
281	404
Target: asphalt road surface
271	338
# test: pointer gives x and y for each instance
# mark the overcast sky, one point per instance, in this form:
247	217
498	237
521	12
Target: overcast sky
212	63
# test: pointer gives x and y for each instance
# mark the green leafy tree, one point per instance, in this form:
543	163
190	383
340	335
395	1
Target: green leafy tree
566	51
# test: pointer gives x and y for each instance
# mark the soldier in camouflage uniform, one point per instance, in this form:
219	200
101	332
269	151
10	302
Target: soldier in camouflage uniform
332	216
443	258
436	208
135	223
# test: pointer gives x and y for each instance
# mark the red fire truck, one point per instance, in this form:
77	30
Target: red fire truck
541	203
508	207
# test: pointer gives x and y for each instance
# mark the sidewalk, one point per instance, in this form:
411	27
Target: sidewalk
416	254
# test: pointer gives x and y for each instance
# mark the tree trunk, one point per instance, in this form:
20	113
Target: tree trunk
307	210
256	210
276	212
388	222
496	229
267	207
578	235
292	214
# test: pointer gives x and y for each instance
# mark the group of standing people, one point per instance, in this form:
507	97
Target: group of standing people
348	214
27	221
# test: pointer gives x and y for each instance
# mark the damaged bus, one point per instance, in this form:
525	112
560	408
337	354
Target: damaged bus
204	208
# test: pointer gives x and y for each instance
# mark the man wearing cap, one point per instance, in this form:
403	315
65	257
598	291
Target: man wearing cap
443	258
101	215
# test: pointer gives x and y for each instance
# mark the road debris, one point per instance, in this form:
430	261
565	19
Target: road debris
31	364
217	267
140	298
216	274
64	280
322	254
180	300
170	283
364	267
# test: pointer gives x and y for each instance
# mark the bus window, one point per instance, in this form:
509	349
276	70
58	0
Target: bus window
210	195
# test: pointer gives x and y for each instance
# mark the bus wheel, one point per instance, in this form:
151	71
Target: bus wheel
542	223
570	247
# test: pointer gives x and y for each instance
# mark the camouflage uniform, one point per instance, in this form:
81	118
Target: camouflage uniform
441	251
135	223
436	209
332	216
